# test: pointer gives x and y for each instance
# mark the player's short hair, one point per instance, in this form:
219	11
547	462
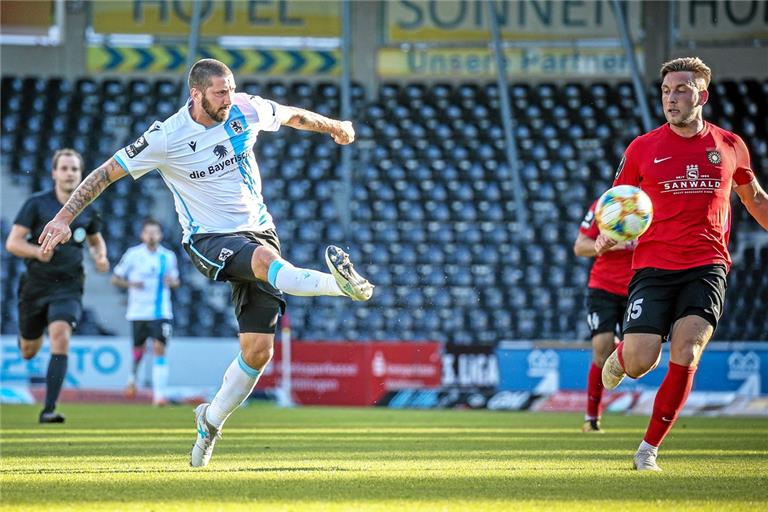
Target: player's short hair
202	71
67	152
693	64
149	221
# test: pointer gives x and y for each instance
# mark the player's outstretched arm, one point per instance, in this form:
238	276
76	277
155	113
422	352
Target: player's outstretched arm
584	246
301	119
755	200
57	230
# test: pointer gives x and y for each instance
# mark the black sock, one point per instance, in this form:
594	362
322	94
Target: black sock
57	369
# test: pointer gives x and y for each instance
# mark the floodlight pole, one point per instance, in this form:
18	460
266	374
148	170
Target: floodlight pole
344	194
506	116
629	52
192	44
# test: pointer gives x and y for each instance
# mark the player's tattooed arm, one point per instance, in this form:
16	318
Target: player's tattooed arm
57	230
301	119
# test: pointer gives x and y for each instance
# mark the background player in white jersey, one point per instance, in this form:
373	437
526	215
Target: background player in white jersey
204	153
149	272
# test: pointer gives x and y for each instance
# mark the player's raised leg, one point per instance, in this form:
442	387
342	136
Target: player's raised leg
638	354
343	280
689	337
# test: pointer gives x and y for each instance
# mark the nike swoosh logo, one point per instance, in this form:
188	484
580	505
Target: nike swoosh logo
668	420
659	160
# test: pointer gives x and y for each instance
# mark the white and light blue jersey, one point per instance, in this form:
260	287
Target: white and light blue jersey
212	172
151	268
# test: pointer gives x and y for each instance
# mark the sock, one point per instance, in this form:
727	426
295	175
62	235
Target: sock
54	379
159	379
670	399
594	392
620	356
239	380
301	281
645	447
138	353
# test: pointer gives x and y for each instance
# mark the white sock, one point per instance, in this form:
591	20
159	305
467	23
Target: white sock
159	378
301	281
239	380
648	447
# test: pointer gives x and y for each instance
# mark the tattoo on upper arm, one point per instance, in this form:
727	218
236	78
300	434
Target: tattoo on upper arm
307	120
91	187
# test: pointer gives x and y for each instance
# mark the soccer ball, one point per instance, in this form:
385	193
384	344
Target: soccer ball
623	213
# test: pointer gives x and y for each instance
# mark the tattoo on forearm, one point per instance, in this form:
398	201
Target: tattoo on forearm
90	188
307	120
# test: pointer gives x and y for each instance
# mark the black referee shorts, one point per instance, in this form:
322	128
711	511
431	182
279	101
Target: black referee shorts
227	257
39	308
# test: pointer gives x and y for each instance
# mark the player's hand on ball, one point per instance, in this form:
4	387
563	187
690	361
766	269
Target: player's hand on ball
603	244
55	232
345	134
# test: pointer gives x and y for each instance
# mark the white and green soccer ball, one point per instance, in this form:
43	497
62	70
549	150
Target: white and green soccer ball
623	213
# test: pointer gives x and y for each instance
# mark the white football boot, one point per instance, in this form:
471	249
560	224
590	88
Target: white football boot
352	284
613	373
645	460
207	435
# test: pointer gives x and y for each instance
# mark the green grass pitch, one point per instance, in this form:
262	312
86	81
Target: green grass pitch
120	457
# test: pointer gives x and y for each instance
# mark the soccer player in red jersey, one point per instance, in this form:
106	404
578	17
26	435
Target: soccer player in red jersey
688	167
606	302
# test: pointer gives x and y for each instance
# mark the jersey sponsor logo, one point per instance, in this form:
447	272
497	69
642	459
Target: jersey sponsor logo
225	253
192	144
137	147
692	182
714	156
220	151
221	166
236	126
659	160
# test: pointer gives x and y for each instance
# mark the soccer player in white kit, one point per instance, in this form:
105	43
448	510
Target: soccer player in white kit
204	153
149	272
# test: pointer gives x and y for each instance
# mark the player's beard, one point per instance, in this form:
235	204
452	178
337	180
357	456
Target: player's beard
217	115
686	121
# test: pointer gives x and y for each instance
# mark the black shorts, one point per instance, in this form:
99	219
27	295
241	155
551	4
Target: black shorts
159	330
605	311
657	298
37	310
227	257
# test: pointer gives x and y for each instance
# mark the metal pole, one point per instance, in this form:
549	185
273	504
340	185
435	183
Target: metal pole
192	43
506	116
345	180
629	51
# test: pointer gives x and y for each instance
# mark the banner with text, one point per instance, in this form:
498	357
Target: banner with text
722	20
480	63
273	18
354	373
467	20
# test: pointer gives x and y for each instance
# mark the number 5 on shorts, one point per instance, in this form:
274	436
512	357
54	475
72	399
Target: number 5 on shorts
634	310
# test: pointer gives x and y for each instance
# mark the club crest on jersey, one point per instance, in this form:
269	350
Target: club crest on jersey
225	253
714	157
236	126
692	172
220	151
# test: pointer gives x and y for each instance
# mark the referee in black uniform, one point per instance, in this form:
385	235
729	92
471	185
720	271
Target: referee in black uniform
51	289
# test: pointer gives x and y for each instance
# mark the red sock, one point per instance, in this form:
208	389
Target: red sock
594	391
619	355
670	400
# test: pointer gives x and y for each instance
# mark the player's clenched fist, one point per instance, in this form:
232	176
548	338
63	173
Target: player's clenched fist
344	134
55	232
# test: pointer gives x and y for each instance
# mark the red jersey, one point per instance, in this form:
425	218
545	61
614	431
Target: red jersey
612	270
689	181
